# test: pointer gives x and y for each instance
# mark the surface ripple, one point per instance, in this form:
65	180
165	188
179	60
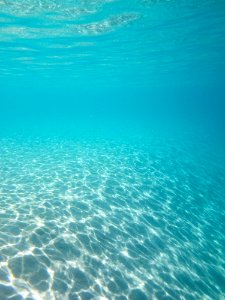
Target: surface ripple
102	42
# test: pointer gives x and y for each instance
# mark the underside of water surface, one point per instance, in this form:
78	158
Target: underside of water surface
112	150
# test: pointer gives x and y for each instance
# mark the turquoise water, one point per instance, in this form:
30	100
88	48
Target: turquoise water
112	150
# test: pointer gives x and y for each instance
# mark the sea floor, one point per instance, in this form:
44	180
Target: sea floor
120	219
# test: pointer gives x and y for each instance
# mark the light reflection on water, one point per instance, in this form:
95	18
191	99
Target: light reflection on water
116	219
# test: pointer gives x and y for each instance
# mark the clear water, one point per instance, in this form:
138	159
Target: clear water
112	149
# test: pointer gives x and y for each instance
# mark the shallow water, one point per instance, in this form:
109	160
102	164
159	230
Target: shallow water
111	217
112	150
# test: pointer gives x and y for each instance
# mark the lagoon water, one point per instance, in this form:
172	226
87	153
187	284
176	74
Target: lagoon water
112	149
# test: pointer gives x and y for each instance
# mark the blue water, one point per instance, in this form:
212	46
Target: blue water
112	149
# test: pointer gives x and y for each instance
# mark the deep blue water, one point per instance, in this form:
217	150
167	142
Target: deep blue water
112	149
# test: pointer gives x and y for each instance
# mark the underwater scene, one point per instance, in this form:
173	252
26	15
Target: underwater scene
112	149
